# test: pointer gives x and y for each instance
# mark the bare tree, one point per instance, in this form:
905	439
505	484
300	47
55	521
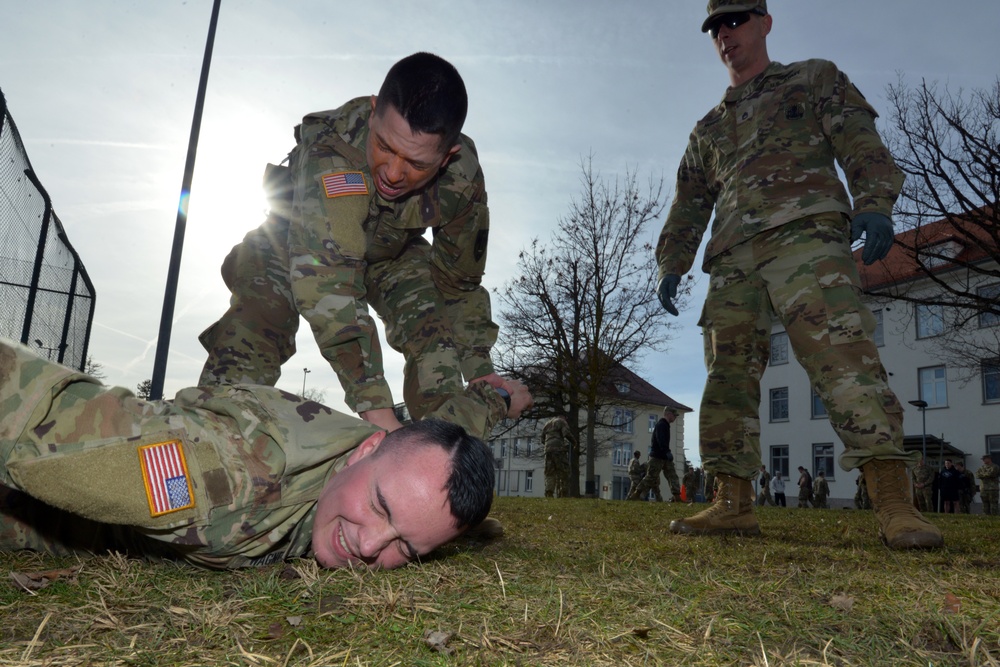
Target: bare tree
584	305
94	369
949	147
143	389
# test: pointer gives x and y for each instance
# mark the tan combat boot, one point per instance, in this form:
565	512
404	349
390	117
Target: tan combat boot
732	511
900	525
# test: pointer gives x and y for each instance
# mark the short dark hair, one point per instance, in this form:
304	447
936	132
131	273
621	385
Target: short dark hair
428	92
470	483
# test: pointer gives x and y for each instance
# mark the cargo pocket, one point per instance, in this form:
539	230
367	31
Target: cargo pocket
848	320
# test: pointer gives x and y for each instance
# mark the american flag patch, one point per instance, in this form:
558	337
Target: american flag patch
345	183
165	473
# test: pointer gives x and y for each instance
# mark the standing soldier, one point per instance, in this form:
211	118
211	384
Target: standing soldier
861	499
923	484
661	459
636	470
765	488
821	491
989	483
690	482
762	168
557	438
805	487
967	490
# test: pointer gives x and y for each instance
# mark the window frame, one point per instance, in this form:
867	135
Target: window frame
775	401
779	341
936	383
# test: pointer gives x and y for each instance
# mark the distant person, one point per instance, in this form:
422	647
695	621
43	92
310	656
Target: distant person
967	489
805	487
762	168
949	487
861	499
557	438
821	491
690	483
765	488
636	470
661	459
226	476
989	483
923	485
779	490
346	231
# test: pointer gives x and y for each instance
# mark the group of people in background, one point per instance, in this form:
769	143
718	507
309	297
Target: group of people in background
957	486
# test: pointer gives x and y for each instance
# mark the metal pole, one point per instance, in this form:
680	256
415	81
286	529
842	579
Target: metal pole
305	371
170	294
923	415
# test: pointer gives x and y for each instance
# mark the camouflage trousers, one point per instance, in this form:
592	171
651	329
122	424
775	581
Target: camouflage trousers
802	274
256	335
989	497
556	474
652	479
764	497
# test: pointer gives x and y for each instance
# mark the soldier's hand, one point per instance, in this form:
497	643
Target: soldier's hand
666	291
877	229
520	397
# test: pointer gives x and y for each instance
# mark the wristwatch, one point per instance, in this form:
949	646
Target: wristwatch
505	395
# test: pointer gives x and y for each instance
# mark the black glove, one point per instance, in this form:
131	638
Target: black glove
666	291
877	229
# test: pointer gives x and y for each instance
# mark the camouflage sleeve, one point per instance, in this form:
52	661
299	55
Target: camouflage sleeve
849	125
458	262
694	200
326	243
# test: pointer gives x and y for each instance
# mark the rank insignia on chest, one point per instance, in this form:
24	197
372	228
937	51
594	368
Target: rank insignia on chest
165	475
341	183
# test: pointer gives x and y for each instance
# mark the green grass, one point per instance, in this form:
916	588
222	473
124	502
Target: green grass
573	582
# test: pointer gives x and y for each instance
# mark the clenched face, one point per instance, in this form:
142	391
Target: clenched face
384	511
402	161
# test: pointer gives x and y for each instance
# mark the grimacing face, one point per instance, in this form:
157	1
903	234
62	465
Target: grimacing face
402	161
384	511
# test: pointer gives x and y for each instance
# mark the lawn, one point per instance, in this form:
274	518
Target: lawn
573	582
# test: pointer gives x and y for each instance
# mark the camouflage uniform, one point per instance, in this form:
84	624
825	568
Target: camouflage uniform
332	246
861	499
764	160
968	490
923	486
690	483
821	491
77	471
557	439
764	496
989	485
805	489
661	459
636	471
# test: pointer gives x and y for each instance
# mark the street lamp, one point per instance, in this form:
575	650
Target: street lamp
922	405
305	371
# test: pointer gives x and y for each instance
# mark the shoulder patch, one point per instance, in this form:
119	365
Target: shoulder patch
341	183
165	475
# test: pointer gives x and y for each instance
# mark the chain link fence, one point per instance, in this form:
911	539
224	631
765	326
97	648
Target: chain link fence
46	297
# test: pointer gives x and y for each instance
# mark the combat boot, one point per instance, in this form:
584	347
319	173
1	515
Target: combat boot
900	525
732	511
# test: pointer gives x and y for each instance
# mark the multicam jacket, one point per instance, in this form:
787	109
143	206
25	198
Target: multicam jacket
767	156
340	225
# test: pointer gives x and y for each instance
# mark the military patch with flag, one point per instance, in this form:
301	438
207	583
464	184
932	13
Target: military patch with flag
342	183
165	474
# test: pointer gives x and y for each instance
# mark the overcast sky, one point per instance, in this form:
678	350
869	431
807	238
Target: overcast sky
103	94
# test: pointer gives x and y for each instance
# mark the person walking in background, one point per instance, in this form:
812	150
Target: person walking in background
764	496
765	163
690	483
821	491
557	438
805	487
661	459
923	484
989	483
636	470
967	489
949	487
779	490
861	499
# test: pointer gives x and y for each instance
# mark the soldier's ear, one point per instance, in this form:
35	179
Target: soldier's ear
369	445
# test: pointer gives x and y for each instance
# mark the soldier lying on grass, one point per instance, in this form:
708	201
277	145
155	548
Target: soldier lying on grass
230	476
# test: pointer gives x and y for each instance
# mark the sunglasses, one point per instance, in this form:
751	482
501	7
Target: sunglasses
731	21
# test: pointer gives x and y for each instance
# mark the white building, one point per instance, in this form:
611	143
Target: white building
963	407
634	407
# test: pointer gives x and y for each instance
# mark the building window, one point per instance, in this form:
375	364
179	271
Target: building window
930	320
991	381
823	460
818	409
779	460
991	293
623	421
934	386
529	481
993	447
621	453
623	387
503	448
527	447
779	404
652	422
879	335
779	348
517	447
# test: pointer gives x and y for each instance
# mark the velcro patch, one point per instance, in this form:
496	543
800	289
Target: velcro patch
341	183
165	475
